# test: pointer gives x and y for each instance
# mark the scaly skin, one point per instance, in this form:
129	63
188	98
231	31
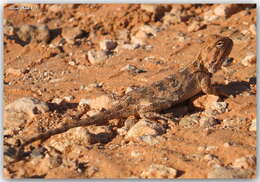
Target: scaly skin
161	95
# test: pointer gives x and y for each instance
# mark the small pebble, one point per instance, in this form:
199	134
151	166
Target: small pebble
68	98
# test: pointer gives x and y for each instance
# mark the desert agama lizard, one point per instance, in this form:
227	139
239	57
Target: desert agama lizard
163	94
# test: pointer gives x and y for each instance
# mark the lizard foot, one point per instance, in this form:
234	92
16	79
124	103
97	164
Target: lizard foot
157	117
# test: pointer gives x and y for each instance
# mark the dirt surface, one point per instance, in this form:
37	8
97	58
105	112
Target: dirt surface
53	63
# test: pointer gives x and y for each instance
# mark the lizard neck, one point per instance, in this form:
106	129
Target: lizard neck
198	65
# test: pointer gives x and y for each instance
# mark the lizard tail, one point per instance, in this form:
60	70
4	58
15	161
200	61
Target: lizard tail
99	119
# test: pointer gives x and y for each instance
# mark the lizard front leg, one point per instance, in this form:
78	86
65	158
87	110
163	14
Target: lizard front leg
151	109
207	88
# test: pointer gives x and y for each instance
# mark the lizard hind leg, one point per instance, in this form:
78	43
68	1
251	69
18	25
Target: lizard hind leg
151	110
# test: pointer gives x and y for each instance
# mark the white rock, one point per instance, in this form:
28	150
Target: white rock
149	30
170	18
123	35
244	32
148	47
207	121
108	45
245	162
194	26
227	144
135	153
122	131
129	89
149	7
252	29
220	172
210	16
55	8
22	110
159	171
79	134
206	101
58	101
68	98
131	68
96	57
74	136
13	71
143	33
249	60
150	140
139	39
131	46
212	160
209	157
71	33
42	33
28	33
128	67
157	10
25	32
92	86
28	105
211	148
72	63
253	125
143	128
8	30
103	101
225	10
84	102
189	121
201	148
233	122
220	107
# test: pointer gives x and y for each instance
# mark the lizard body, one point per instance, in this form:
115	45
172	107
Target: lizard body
163	94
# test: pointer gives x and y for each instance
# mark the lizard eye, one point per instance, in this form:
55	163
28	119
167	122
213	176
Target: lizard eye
219	44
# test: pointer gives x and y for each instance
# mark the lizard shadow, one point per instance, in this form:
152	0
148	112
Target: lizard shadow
236	87
62	107
233	88
53	34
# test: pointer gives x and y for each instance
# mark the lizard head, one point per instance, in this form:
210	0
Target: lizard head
215	51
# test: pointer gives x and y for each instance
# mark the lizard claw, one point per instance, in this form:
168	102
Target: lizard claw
155	116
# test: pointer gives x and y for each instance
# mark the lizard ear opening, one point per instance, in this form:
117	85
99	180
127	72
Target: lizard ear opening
219	44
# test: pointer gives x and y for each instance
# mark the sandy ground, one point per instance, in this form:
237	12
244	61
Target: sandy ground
51	61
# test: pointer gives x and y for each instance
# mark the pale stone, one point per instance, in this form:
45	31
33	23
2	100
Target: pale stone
13	71
98	103
226	10
194	26
205	101
71	33
20	111
245	162
252	29
253	125
210	16
145	127
96	57
159	171
249	60
108	45
28	105
220	172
